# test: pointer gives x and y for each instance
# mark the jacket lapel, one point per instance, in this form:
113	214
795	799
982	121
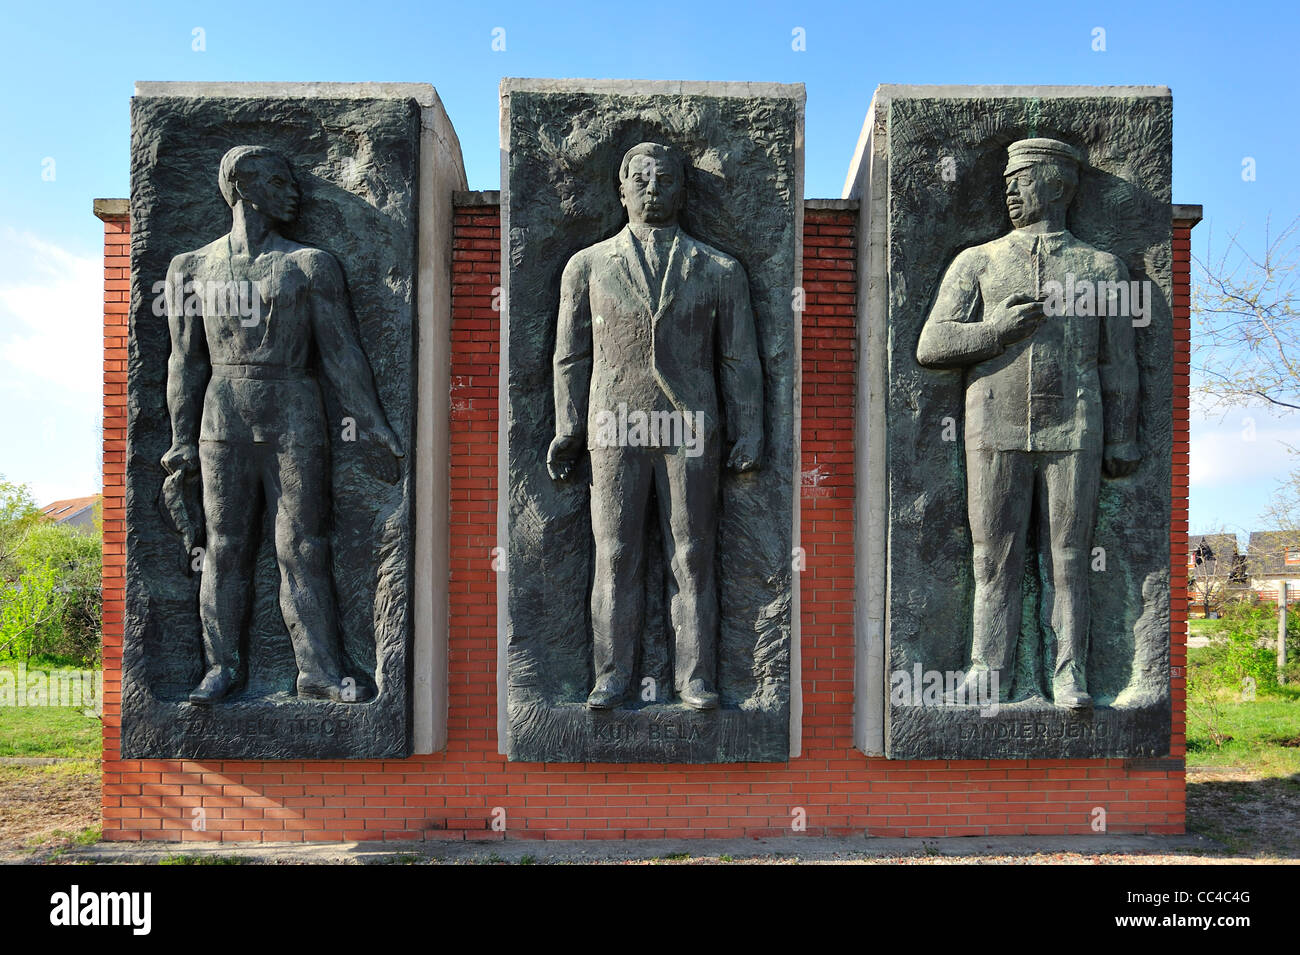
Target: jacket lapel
631	268
668	287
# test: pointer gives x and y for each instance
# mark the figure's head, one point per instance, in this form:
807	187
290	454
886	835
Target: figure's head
1041	177
262	179
650	184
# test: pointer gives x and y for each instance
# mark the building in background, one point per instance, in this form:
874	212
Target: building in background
78	512
1216	572
1271	558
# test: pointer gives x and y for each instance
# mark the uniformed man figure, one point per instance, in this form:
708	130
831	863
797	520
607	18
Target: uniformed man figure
1051	402
655	323
247	414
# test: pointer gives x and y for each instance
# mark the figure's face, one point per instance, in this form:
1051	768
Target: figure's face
652	190
270	188
1028	195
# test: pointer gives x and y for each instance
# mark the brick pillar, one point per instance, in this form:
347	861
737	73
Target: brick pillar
1185	218
117	298
827	470
475	352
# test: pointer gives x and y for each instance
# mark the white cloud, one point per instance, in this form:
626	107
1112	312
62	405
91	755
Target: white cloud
51	317
51	348
1242	447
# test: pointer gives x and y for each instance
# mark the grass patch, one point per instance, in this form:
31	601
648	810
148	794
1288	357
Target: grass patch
86	837
1264	736
1244	792
183	859
1265	731
54	847
70	771
1201	627
36	731
42	661
676	857
39	730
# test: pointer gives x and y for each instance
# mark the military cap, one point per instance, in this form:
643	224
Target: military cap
1026	152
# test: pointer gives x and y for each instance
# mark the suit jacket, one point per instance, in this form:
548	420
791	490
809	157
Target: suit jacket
1071	385
657	349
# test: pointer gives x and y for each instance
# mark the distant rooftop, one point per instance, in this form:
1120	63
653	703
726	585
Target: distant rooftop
77	511
1273	553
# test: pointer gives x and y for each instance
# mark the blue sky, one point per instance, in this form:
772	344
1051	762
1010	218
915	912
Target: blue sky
68	71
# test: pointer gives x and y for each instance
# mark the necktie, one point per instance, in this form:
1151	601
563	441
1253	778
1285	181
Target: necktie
656	253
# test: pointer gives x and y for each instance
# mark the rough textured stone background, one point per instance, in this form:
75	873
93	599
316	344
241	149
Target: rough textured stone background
1122	206
356	163
743	187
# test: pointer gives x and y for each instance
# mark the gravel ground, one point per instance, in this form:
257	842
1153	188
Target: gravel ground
808	850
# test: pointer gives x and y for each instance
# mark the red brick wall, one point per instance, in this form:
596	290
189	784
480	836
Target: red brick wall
453	794
1178	578
117	304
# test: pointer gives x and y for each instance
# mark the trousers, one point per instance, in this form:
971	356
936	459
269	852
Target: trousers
292	484
686	489
1004	489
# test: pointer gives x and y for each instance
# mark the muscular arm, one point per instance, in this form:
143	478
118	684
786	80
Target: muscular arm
740	370
188	370
342	360
953	335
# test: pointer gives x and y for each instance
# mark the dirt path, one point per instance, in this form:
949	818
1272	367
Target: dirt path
43	808
1250	816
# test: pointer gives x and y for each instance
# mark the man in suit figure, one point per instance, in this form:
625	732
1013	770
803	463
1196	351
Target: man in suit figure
655	321
1051	401
247	416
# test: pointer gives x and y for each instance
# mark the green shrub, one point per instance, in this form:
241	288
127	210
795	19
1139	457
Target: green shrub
1245	645
50	596
1204	703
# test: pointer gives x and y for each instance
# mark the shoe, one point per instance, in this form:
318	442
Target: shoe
1068	694
981	688
606	695
1142	694
321	688
697	695
217	684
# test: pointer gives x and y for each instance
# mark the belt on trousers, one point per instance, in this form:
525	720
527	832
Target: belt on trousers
260	372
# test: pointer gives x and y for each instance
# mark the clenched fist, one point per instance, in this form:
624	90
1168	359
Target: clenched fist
563	455
1015	318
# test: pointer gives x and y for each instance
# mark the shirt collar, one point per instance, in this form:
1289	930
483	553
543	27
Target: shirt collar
1050	241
